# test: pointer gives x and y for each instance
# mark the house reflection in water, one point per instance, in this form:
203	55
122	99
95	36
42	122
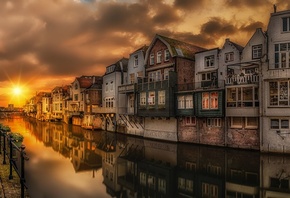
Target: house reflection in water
137	167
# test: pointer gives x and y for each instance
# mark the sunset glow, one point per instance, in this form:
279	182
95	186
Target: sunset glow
94	34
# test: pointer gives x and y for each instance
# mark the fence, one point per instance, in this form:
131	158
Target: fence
16	156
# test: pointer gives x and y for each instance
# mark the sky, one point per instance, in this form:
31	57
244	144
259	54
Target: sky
44	43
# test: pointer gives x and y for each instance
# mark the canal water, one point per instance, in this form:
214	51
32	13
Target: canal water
68	161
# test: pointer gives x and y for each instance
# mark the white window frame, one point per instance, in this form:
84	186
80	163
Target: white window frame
136	61
143	98
256	51
286	24
213	122
279	126
279	95
132	78
161	97
229	57
210	101
189	101
209	61
151	61
282	55
159	57
151	98
248	126
234	124
181	102
166	55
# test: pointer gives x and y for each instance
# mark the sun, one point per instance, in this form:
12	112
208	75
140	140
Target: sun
17	91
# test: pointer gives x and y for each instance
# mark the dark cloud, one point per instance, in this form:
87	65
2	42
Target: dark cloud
217	27
189	4
252	26
247	3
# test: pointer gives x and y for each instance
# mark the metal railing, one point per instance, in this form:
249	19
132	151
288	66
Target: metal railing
16	156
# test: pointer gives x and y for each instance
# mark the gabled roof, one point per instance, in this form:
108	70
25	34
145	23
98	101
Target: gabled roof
85	81
120	66
143	49
176	47
188	50
237	46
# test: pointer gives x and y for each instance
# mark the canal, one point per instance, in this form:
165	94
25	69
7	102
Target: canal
68	161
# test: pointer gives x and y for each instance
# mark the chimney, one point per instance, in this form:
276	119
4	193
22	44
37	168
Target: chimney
275	8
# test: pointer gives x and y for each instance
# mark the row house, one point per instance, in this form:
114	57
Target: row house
113	103
168	62
275	129
129	122
243	94
58	96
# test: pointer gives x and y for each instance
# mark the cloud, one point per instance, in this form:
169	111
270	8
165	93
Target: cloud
189	4
247	3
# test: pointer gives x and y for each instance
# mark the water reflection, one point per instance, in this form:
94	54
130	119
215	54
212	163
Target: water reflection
67	161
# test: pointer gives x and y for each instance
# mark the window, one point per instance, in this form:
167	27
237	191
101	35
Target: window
166	73
76	97
209	76
209	100
166	55
209	190
151	98
256	51
242	97
76	86
112	86
229	57
161	97
213	122
162	185
109	102
252	122
286	24
236	122
190	121
189	102
282	55
181	102
279	123
279	93
159	57
152	59
136	62
154	76
107	87
209	61
143	98
132	78
142	178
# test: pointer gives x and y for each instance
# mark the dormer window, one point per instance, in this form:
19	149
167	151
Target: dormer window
159	57
76	86
166	55
286	24
229	57
136	62
256	51
209	61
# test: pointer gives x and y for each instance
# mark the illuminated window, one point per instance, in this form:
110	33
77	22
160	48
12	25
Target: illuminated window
151	98
210	100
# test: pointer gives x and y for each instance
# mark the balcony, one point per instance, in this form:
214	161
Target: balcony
130	88
242	79
213	84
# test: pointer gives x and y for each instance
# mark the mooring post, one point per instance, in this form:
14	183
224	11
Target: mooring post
22	175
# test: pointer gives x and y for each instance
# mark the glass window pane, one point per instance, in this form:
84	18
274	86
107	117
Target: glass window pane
274	124
284	124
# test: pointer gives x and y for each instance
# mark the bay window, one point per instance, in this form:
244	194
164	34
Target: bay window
279	93
209	100
242	97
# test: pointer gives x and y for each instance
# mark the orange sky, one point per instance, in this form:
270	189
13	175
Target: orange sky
44	43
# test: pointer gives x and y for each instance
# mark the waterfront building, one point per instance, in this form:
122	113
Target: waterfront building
168	62
58	94
76	102
113	103
93	101
209	98
275	131
129	122
243	94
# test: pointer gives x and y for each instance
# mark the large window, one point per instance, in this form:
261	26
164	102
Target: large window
185	102
209	100
143	98
161	97
286	24
159	57
279	93
282	55
242	97
244	122
209	61
151	98
256	51
279	123
229	57
154	76
109	102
